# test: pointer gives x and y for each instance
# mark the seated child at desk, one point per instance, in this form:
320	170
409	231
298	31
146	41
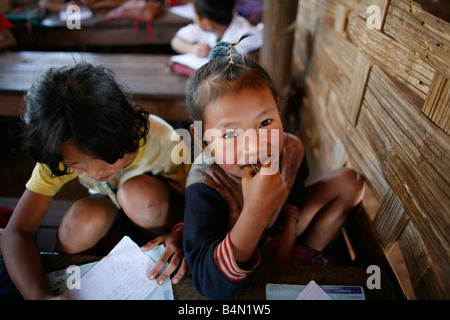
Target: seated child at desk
214	21
250	185
81	123
7	40
61	5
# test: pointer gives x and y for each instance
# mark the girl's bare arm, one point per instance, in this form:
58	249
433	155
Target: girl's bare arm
20	250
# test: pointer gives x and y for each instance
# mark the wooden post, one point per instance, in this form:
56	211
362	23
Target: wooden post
276	53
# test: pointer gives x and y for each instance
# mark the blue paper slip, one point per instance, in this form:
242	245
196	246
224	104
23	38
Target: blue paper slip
291	291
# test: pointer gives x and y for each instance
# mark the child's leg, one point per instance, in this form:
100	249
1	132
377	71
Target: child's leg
329	200
146	200
85	223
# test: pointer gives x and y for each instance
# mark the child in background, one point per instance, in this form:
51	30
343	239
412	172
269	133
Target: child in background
7	40
215	21
250	9
229	208
81	123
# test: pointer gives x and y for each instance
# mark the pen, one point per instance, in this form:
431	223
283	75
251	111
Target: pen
255	168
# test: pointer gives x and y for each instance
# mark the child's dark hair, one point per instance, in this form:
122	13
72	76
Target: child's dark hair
226	72
219	11
84	104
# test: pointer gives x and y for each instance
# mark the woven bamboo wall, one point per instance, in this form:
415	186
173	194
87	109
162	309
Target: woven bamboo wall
379	101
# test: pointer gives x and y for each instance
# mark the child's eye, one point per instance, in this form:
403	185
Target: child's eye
69	165
265	123
230	134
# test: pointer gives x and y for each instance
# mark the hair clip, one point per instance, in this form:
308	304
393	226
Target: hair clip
224	48
230	47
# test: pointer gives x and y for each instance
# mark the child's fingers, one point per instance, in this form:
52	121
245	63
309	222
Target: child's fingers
171	267
181	271
270	167
161	278
156	274
248	172
156	270
151	244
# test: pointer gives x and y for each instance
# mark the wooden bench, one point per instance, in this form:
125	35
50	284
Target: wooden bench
146	76
52	33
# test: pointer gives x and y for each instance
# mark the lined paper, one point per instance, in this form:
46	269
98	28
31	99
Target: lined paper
121	275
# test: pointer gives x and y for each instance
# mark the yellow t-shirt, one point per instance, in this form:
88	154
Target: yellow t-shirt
154	157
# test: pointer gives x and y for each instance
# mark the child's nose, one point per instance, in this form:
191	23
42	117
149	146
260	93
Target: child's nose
252	147
94	171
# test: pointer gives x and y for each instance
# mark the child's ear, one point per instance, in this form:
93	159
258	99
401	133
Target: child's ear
197	137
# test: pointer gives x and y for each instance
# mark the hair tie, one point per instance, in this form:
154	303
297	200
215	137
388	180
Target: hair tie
224	48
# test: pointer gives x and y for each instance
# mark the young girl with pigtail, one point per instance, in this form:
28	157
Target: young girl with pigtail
247	188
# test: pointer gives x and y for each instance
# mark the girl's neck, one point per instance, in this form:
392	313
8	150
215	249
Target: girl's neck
220	30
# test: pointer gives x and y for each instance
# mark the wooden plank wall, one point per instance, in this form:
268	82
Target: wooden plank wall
379	101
